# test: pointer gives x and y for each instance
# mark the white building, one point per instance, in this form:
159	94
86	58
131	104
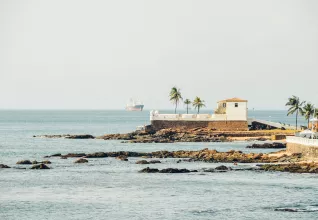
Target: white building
230	114
233	109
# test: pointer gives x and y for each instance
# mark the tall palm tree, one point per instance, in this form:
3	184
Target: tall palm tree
198	103
187	102
295	106
175	97
307	111
316	113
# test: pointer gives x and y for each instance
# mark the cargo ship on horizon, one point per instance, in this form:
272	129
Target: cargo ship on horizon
134	105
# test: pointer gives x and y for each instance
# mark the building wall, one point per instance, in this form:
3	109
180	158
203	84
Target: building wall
216	125
307	151
236	113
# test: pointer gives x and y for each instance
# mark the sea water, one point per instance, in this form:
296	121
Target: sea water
106	188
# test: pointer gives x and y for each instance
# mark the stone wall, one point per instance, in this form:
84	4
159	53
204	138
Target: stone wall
307	151
215	125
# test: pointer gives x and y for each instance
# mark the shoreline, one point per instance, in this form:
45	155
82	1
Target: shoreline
185	135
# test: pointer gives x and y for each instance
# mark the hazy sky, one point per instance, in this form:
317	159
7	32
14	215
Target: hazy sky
93	54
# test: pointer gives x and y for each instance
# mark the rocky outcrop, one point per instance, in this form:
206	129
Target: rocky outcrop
81	160
147	162
222	168
4	166
142	162
167	170
154	161
174	170
40	166
149	170
292	167
24	162
68	136
205	155
275	145
42	162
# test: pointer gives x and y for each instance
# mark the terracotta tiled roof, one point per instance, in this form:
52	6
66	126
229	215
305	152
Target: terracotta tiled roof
235	99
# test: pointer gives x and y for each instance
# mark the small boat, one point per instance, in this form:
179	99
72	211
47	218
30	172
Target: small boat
133	105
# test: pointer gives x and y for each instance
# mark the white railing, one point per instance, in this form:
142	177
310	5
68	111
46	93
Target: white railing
302	141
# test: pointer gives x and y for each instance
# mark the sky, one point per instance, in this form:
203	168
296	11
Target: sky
96	54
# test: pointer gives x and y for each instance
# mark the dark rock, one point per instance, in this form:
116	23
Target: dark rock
275	145
142	162
81	136
75	155
210	170
154	161
97	155
285	210
149	170
28	162
56	155
81	160
40	166
174	170
4	166
222	167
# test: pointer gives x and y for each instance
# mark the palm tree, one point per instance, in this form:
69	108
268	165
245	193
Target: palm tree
307	111
316	113
198	103
295	106
175	97
187	102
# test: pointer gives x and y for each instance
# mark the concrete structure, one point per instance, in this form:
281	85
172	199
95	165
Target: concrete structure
307	147
230	115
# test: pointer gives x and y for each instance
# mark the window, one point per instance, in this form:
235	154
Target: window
224	105
236	105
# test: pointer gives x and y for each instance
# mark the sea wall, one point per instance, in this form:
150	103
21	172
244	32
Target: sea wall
307	151
215	125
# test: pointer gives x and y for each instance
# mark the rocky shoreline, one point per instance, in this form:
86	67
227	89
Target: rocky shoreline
280	162
181	135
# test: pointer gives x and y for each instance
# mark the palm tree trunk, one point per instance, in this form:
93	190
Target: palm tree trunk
308	123
296	118
187	109
198	110
175	109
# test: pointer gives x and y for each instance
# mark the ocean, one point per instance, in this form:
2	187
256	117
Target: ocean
106	188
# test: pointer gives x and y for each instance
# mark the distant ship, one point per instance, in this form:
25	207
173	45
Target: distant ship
134	105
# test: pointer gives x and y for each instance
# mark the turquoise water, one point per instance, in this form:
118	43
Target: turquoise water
110	189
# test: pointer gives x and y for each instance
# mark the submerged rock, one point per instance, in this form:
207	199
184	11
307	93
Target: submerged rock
222	168
40	166
174	170
67	136
25	162
81	160
4	166
149	170
142	162
154	161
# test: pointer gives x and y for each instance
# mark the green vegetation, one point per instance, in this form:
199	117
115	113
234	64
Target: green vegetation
175	97
187	102
307	111
295	107
198	103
